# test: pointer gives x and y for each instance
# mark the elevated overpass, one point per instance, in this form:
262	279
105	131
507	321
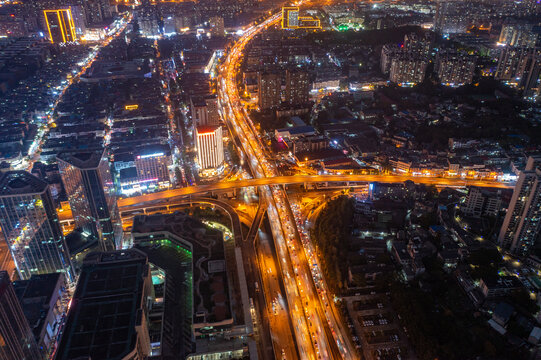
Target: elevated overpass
164	196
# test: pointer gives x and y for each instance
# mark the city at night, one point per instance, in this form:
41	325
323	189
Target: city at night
270	180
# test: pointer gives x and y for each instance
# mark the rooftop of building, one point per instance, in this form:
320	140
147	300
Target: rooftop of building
152	150
502	282
21	183
297	130
35	296
105	307
206	129
211	296
84	160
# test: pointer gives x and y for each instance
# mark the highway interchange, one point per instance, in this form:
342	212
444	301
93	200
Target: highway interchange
290	292
289	289
311	329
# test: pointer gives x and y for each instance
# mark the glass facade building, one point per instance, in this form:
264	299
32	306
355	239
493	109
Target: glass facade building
30	226
16	337
89	186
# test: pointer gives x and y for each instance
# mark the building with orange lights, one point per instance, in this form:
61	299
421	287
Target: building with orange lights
152	164
60	25
210	147
292	20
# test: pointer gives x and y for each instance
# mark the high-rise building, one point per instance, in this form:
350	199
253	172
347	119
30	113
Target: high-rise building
454	68
521	67
270	85
388	52
210	147
89	186
43	300
152	163
297	86
292	20
60	25
97	11
290	17
531	83
450	17
108	317
16	338
30	226
419	45
513	63
408	69
204	110
521	226
78	13
217	26
149	20
518	34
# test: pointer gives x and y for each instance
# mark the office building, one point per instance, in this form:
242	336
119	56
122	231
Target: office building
30	226
292	20
204	110
210	147
16	336
407	69
520	228
108	317
89	186
270	86
290	17
44	300
297	86
60	25
217	26
152	163
454	68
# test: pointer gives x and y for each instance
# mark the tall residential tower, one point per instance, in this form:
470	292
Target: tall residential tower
522	222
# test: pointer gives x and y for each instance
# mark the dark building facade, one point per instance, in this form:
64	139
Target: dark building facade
108	314
91	194
16	338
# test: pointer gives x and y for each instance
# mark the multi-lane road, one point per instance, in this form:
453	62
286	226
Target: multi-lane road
301	179
311	328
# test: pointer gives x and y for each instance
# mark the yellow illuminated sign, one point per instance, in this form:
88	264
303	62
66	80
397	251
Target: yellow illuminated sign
131	107
302	22
64	20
